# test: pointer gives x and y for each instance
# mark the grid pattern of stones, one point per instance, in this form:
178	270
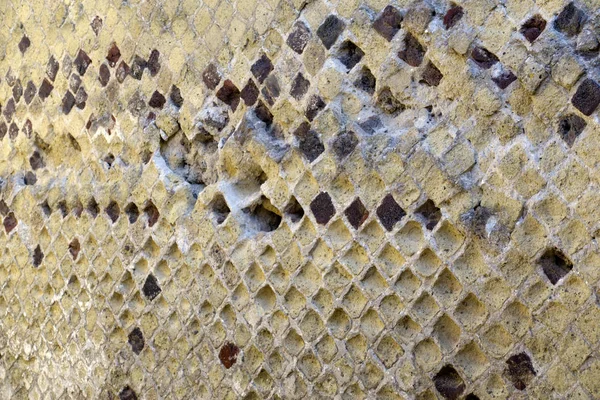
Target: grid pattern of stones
123	275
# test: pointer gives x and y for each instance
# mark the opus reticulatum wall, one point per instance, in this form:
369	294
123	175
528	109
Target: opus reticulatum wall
349	199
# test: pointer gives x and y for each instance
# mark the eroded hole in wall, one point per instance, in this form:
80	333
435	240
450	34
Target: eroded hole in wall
38	256
113	211
220	209
555	264
477	219
350	54
533	27
264	216
293	210
109	159
45	89
157	100
132	212
127	393
9	110
3	208
193	160
68	102
29	92
175	96
92	208
366	81
74	82
52	68
96	25
484	58
388	102
74	248
77	208
24	44
151	212
82	62
449	383
271	89
263	113
113	55
17	91
138	66
153	62
63	208
431	213
46	208
29	178
122	71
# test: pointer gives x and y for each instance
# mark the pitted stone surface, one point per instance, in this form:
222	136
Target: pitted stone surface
299	199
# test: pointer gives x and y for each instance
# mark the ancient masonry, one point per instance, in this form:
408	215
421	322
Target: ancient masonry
292	199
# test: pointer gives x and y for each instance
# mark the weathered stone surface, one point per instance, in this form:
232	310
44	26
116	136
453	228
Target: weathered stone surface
300	199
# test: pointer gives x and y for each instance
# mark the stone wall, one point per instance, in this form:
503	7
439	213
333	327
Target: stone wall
349	199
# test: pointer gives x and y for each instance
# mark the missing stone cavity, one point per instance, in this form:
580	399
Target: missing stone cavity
350	54
555	264
533	28
220	209
263	215
449	383
431	213
294	210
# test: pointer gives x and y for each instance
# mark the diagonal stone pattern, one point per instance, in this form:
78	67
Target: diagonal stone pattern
299	199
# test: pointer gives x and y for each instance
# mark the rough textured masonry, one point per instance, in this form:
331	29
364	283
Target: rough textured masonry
278	199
